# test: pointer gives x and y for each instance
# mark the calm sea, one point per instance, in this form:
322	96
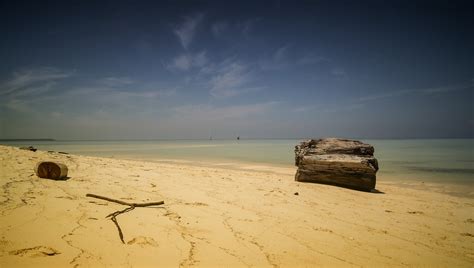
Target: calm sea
442	160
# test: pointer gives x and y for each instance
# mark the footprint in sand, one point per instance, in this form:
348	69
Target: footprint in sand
197	204
172	216
40	251
65	197
322	229
143	241
99	203
416	212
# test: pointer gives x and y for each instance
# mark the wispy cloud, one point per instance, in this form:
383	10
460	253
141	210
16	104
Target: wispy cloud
34	90
186	61
278	60
311	58
342	108
227	78
303	109
446	89
248	25
48	90
287	56
116	81
281	54
232	80
17	105
39	78
187	29
339	72
147	94
182	62
425	91
209	112
350	105
219	28
119	93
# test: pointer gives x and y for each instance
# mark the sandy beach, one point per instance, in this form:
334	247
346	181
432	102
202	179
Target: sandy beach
218	217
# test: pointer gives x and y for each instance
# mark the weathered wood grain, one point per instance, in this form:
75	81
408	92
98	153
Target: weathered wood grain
341	162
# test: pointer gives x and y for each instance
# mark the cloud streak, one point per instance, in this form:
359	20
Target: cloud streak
219	28
233	79
286	57
210	113
186	61
362	102
187	29
248	25
116	81
40	79
49	90
425	91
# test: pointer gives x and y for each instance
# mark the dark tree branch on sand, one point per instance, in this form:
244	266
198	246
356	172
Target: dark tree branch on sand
114	219
126	203
131	206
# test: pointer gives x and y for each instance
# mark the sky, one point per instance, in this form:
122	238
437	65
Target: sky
254	69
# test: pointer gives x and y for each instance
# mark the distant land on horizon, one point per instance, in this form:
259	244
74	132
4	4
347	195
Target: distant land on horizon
27	140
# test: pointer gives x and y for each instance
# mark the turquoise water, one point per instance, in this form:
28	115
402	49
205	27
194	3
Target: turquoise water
444	160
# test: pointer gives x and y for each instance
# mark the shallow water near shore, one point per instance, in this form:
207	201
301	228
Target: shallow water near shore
447	161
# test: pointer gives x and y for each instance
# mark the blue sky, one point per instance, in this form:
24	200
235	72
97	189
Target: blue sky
269	69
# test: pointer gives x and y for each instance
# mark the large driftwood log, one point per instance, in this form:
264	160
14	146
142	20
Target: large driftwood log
341	162
131	206
51	170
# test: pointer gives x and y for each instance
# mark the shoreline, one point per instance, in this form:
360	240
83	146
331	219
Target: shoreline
216	216
459	189
450	188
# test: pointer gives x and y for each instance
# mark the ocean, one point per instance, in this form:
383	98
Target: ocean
417	160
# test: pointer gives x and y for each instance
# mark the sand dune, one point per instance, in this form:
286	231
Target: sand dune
219	217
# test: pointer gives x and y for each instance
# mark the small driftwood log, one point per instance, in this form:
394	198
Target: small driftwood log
51	170
131	206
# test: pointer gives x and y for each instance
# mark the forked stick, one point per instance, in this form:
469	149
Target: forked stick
118	212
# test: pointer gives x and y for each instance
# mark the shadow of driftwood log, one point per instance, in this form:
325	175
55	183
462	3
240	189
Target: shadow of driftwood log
375	191
131	206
